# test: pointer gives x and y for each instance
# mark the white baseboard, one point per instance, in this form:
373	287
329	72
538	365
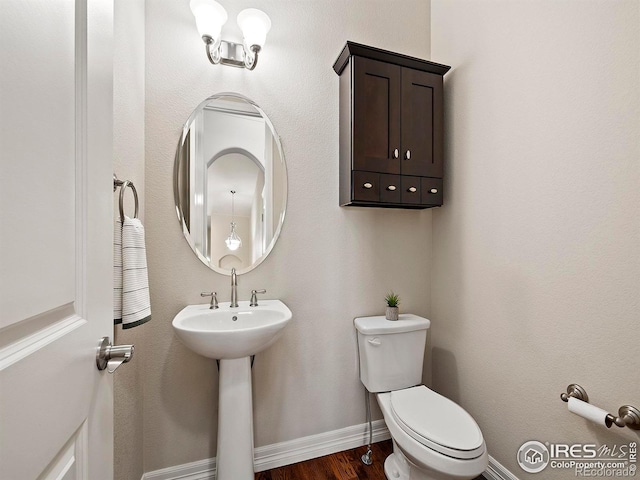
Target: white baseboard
314	446
301	449
200	470
283	453
495	471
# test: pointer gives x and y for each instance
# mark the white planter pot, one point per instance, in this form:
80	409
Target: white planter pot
392	313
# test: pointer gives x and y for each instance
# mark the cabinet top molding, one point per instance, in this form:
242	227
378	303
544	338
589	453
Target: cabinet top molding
373	53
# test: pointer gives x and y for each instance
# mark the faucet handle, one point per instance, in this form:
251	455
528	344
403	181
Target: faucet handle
214	299
254	297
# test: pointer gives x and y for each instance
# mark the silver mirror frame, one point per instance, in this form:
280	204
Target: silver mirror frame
176	192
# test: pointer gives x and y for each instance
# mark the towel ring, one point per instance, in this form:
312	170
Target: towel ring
123	187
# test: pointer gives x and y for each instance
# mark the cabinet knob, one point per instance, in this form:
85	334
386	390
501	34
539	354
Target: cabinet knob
396	153
433	190
407	155
367	185
413	189
391	188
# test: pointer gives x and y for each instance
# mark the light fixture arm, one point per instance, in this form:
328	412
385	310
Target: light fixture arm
251	56
213	49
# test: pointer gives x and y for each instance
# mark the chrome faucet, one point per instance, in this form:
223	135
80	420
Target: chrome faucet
234	289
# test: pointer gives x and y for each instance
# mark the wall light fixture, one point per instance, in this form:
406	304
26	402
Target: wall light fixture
254	23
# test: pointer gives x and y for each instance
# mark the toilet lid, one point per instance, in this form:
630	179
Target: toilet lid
437	422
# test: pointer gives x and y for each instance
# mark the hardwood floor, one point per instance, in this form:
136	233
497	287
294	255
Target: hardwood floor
338	466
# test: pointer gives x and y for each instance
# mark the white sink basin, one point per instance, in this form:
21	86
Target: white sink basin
227	333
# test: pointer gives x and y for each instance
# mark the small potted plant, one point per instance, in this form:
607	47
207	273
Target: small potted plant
393	300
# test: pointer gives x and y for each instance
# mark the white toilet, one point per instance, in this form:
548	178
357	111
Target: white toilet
433	437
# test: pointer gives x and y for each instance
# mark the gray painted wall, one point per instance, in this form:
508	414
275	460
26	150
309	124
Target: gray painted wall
536	264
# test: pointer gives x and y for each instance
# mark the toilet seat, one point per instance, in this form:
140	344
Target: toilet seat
437	422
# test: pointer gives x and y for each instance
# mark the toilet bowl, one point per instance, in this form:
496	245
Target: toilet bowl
433	437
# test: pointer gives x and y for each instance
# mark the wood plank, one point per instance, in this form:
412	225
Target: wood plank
344	465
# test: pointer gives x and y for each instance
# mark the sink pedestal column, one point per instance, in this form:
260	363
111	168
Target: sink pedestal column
234	460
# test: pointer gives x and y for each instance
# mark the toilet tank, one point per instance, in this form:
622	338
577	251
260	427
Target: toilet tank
391	352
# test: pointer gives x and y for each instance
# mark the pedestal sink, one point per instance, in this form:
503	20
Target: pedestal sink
232	335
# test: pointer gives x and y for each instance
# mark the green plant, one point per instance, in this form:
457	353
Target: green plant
392	299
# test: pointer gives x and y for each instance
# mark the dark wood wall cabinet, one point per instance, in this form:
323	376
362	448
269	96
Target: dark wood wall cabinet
391	129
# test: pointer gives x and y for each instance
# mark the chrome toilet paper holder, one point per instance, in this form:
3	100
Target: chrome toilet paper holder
628	415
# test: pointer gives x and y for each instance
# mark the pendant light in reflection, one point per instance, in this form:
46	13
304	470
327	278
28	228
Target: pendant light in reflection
233	241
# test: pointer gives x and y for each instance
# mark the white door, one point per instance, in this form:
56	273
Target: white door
56	408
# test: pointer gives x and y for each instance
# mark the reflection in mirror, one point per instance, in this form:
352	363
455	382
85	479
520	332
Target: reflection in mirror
230	183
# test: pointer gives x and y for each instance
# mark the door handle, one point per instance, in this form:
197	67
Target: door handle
110	357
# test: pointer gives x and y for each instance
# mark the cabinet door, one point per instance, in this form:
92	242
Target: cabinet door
422	117
376	116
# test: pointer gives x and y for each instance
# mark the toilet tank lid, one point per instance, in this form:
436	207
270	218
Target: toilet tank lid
407	322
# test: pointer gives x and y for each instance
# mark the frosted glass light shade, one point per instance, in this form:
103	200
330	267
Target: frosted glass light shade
210	17
233	241
232	244
255	24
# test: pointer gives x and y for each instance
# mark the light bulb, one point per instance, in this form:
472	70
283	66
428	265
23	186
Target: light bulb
210	17
233	241
255	24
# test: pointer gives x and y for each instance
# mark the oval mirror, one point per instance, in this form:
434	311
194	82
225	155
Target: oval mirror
230	183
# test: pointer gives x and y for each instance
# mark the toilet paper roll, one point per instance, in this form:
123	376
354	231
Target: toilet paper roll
588	411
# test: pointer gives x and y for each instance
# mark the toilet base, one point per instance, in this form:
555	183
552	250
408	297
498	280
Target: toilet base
392	470
398	467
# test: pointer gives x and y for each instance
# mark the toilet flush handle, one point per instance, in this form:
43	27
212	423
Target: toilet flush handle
374	341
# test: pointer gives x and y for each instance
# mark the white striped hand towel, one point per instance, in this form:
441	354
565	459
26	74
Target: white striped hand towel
131	303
